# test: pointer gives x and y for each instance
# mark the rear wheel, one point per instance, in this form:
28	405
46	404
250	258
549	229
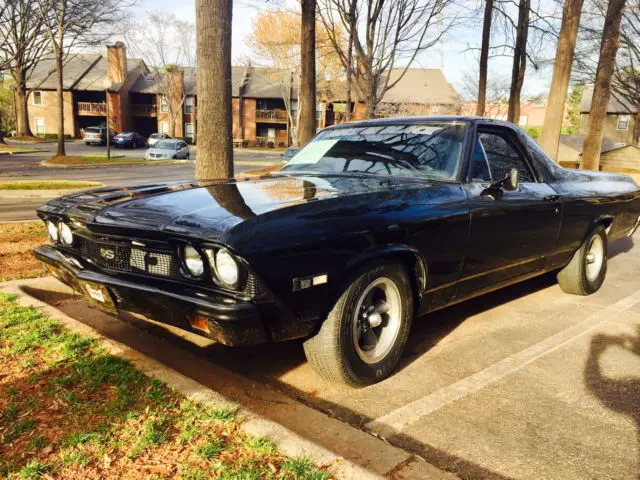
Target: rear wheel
586	271
364	335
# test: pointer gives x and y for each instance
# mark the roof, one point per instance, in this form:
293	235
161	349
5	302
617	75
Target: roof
260	82
81	71
426	86
575	142
615	105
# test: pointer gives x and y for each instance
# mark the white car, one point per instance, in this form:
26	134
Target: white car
170	149
156	137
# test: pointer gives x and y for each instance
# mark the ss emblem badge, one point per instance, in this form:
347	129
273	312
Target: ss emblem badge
107	253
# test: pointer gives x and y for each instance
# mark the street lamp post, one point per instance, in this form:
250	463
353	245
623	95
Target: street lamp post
106	96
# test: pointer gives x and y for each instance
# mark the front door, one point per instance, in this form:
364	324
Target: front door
511	231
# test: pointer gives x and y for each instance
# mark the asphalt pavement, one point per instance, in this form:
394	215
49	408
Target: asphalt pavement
27	167
524	383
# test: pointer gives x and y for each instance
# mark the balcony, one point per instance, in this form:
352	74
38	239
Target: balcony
92	108
143	110
272	116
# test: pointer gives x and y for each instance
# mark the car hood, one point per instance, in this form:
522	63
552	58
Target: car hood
160	150
208	209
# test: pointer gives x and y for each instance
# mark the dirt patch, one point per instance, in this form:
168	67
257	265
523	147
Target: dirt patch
66	160
47	185
17	240
28	139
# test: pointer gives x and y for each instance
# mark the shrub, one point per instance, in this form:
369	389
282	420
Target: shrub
534	132
54	136
270	144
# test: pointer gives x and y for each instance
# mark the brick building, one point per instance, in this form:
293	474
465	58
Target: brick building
264	99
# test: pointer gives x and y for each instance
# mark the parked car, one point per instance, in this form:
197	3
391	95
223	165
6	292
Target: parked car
168	149
370	225
289	153
156	137
95	136
130	140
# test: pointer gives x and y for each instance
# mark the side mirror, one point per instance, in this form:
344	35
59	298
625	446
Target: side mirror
512	180
509	183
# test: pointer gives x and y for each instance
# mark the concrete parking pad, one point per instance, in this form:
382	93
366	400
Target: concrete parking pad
527	382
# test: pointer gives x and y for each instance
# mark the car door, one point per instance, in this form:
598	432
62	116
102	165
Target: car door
511	232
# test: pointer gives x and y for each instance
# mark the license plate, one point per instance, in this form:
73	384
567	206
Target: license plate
95	293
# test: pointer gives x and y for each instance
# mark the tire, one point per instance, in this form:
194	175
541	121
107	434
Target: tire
586	271
187	157
342	349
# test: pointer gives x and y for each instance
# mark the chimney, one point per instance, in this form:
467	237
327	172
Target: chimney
117	63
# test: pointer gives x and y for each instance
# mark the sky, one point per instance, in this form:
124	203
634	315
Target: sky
452	55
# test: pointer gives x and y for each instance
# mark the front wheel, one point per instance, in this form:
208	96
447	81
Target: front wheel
364	335
586	271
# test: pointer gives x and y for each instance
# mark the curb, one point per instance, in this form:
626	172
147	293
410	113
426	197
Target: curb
8	141
45	163
33	150
406	466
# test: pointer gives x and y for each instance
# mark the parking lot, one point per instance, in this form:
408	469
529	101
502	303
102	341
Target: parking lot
527	382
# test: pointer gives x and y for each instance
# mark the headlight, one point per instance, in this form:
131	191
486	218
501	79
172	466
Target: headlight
193	261
227	268
66	235
53	231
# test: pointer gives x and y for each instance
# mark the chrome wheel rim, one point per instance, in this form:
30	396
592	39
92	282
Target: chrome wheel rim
377	320
594	258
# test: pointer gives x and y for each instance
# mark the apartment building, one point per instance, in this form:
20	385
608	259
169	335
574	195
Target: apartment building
138	98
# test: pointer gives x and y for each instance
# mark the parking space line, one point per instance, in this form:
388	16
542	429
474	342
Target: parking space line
409	414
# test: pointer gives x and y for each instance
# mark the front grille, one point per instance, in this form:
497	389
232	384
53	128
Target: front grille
125	258
253	287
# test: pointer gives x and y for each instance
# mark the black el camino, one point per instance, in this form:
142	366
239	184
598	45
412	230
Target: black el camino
370	225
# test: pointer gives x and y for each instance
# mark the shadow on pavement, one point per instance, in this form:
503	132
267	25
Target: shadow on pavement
621	395
222	368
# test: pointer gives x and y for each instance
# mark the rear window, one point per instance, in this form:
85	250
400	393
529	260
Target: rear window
92	130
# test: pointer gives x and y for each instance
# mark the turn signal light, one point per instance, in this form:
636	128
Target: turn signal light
199	323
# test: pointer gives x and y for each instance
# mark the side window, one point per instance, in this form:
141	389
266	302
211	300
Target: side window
501	157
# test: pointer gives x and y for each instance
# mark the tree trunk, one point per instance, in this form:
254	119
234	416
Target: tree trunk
22	112
307	106
484	58
215	142
352	13
553	117
59	66
519	62
370	94
602	86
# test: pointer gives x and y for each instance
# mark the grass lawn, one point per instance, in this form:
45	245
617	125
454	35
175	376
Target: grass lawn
17	240
95	159
70	410
46	185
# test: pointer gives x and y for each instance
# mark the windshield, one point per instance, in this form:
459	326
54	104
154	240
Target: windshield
429	150
165	145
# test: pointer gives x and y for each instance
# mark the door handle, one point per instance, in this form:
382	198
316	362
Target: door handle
551	198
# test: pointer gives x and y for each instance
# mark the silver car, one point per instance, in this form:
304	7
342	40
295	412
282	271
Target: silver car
168	150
